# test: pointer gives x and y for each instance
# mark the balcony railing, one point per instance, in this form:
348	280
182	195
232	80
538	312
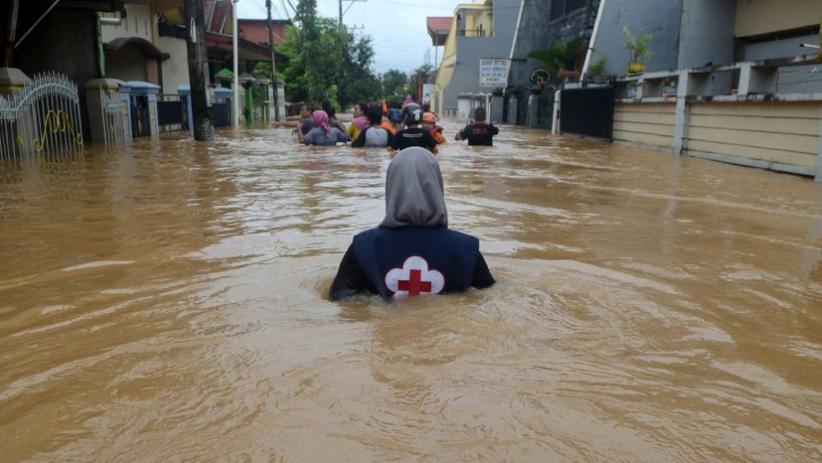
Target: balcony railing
477	32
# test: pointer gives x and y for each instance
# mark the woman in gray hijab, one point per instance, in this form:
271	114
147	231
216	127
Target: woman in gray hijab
412	252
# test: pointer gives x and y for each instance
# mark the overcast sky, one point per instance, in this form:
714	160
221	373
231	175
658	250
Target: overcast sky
397	27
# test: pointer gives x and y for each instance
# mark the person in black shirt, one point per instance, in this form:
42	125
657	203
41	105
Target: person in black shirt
414	135
479	133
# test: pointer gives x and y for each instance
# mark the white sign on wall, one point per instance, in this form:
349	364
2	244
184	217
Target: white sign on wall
427	89
493	73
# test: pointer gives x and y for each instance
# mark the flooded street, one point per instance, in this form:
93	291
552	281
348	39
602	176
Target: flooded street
169	302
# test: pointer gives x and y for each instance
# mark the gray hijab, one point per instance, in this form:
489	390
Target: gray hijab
413	191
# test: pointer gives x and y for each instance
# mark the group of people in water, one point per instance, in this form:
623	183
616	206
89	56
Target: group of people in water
379	126
412	252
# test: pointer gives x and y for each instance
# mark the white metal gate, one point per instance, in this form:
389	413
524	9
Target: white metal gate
41	119
116	125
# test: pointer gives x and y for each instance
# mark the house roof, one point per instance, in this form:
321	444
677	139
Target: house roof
438	28
255	20
147	48
247	50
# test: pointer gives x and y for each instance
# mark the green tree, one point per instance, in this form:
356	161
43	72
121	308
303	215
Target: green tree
313	64
421	75
326	62
394	84
358	82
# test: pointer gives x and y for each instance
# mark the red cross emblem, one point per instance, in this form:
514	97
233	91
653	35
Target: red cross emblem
414	285
414	278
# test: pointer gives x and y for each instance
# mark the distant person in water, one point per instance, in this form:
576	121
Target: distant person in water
478	133
373	135
409	106
359	122
429	122
394	119
414	135
412	252
306	121
332	116
323	134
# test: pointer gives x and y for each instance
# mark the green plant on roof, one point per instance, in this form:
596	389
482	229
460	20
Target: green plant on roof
638	46
224	74
562	55
597	69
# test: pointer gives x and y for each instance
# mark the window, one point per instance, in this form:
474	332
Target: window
560	8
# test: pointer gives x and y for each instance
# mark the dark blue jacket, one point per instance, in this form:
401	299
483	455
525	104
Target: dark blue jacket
411	261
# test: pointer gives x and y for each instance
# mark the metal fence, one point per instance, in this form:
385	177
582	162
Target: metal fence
41	119
588	111
171	112
116	126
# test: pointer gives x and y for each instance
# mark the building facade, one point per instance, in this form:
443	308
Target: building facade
541	24
483	30
730	81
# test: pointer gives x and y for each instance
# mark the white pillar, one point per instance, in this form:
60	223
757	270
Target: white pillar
819	157
236	100
555	116
682	112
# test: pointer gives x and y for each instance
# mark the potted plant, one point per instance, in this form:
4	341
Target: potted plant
596	71
560	59
638	49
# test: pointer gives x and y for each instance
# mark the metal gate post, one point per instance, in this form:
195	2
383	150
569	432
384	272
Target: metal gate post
818	177
555	117
683	110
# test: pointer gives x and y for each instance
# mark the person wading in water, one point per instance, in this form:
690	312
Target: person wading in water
359	122
373	135
479	133
412	252
414	135
306	122
322	134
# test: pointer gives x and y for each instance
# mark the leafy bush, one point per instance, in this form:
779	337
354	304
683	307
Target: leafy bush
562	55
638	46
597	69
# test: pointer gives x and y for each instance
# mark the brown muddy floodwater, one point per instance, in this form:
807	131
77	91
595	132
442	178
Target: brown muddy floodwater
168	303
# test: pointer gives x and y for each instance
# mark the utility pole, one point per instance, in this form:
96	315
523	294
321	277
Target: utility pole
273	63
197	69
12	33
235	55
350	4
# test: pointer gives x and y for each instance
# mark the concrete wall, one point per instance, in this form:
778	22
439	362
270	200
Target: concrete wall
470	50
661	18
175	69
706	33
802	79
772	133
757	17
645	124
777	135
137	23
127	63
